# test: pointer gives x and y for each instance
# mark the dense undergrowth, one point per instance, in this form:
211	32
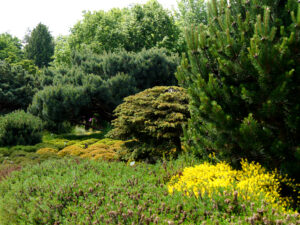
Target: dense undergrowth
73	191
67	179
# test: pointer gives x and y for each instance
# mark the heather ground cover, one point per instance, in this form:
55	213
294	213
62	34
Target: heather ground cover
80	191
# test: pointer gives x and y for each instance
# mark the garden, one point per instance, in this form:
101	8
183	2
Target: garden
166	123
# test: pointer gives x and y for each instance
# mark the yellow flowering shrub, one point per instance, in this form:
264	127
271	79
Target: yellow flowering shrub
47	151
72	150
252	182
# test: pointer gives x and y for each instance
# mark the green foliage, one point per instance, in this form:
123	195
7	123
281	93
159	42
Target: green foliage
191	12
242	77
20	128
132	29
77	191
154	117
17	87
40	46
95	84
10	48
150	25
100	31
58	104
11	52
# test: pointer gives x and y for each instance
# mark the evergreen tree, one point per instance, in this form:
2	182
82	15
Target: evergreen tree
94	84
17	87
243	78
40	46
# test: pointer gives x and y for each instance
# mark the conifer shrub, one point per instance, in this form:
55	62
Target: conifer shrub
20	128
17	87
87	142
152	117
242	74
105	149
47	151
61	143
72	150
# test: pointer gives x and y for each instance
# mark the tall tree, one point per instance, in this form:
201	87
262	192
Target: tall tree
40	46
243	78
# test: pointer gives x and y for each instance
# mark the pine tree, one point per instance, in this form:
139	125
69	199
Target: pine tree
242	73
40	46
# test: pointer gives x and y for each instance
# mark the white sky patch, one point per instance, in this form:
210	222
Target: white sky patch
17	16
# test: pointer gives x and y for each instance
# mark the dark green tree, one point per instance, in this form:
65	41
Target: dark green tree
40	46
17	87
100	82
243	79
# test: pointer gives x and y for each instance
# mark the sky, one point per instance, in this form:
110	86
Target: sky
17	16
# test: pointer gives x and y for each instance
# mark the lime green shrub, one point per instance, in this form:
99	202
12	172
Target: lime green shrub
20	128
105	149
47	151
62	143
72	150
153	117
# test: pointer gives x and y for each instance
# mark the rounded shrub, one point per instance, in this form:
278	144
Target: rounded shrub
20	128
47	151
153	117
72	150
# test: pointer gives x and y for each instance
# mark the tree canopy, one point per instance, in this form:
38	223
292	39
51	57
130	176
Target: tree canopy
133	28
95	84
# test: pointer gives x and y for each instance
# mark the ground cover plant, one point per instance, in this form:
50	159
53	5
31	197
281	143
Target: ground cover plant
73	191
51	143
